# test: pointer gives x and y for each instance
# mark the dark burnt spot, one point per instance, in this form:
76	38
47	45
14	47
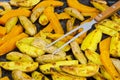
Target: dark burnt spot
116	76
32	62
3	64
76	52
70	68
17	63
20	57
28	68
119	37
47	70
117	27
43	78
53	63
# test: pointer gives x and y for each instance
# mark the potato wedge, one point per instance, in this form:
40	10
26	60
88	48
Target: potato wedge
110	24
57	76
27	40
100	6
27	24
74	12
17	56
23	66
116	18
91	15
49	58
6	7
83	70
115	45
70	24
38	76
98	76
1	10
91	40
19	75
46	67
106	30
69	57
93	56
78	53
36	13
60	43
100	1
116	63
63	76
72	76
41	44
105	73
10	24
25	46
24	3
43	20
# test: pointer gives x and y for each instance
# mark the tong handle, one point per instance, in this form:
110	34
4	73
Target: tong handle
115	7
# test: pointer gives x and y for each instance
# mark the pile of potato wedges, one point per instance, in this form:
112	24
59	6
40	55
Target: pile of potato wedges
28	26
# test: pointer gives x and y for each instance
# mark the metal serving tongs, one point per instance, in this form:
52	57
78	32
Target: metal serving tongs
88	25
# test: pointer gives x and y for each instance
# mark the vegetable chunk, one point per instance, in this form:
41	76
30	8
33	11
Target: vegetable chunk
23	66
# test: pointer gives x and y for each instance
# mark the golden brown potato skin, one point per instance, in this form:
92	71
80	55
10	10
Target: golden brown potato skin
17	56
25	46
11	23
74	12
56	75
23	66
91	40
36	14
19	75
28	26
46	67
83	70
116	63
38	76
24	3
